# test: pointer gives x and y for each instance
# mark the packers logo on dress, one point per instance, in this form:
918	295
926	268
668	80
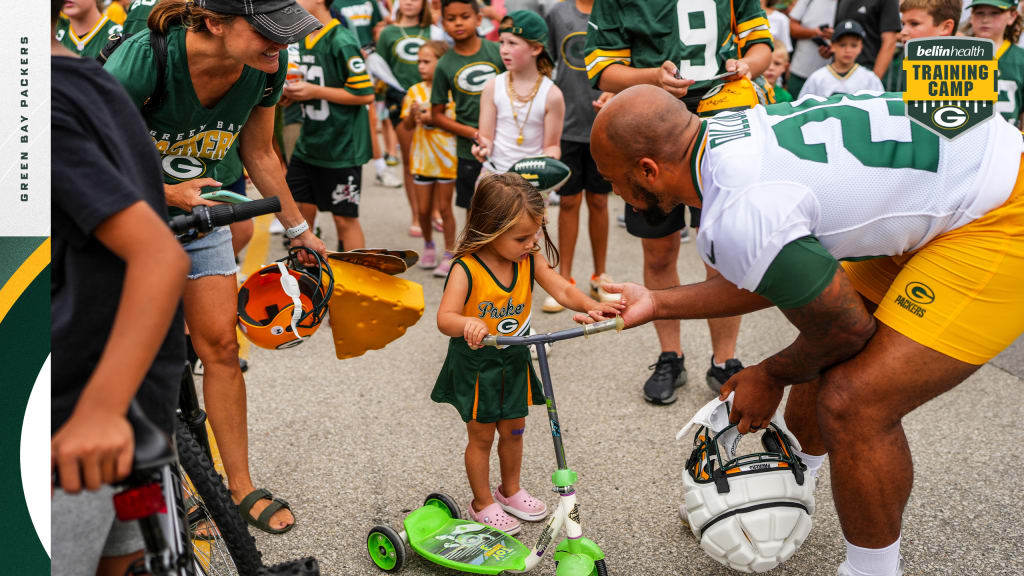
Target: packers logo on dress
356	65
508	326
573	50
408	49
470	79
183	167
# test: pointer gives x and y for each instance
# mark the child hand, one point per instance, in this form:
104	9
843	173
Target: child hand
424	117
299	91
480	151
474	332
598	311
739	68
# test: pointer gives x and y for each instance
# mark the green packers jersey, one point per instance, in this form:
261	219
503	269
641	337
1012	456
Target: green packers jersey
463	77
1011	81
138	13
892	80
400	47
191	138
334	135
89	44
697	35
360	16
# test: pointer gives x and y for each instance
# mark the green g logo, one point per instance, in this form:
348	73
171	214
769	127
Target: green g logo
920	293
183	167
470	79
508	325
356	65
408	49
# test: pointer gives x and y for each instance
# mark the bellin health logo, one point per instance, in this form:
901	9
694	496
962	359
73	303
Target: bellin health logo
951	83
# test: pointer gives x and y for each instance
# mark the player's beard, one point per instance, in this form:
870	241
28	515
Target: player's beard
653	215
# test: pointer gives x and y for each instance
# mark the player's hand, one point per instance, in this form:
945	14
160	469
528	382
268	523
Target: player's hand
739	68
598	311
637	303
93	448
186	194
757	396
474	332
602	100
299	91
669	80
309	240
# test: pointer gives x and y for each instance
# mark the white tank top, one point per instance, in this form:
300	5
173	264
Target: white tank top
506	150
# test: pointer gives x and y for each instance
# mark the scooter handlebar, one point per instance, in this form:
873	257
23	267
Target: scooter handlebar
584	330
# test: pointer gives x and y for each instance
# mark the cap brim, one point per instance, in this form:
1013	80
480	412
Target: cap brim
996	3
286	25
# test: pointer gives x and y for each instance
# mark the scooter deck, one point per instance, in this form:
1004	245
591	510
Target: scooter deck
463	545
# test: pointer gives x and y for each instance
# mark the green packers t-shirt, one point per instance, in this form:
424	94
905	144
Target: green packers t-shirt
192	139
400	47
361	16
138	13
90	43
464	77
334	135
1011	81
697	36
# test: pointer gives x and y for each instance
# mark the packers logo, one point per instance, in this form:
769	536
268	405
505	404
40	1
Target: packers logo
356	65
920	293
470	79
572	50
408	49
183	167
508	326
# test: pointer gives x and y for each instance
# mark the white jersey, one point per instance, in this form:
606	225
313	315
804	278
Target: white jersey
826	81
851	170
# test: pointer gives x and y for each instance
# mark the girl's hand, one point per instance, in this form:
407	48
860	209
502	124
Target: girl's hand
601	101
481	151
186	194
300	91
424	117
598	311
670	80
474	332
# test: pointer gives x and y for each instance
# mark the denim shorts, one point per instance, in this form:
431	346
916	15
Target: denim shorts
212	255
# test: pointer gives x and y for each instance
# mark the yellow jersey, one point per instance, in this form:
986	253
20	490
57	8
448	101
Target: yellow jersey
505	309
433	149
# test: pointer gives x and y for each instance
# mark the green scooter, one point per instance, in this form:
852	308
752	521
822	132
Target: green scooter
437	532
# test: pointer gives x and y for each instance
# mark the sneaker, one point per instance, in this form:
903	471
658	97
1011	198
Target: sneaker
684	236
438	224
554	199
717	377
669	374
597	289
522	505
622	220
388	180
444	266
551	305
684	517
495	517
391	160
276	227
429	257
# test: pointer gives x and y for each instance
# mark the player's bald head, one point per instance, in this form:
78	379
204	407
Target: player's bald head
644	122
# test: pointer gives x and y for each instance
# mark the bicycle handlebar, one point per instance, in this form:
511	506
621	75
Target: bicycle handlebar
585	330
204	219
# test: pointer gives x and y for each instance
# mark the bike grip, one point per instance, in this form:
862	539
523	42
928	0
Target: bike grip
247	210
490	341
616	323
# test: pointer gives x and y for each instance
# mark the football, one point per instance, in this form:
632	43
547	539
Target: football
544	172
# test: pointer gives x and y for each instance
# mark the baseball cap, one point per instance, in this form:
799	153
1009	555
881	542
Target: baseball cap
282	21
848	28
528	25
1003	4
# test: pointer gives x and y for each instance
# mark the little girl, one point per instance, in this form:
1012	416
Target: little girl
431	159
521	110
489	291
998	21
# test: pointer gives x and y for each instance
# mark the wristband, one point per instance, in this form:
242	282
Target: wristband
296	231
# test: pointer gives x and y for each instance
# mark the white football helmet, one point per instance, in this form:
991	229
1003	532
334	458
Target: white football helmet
750	512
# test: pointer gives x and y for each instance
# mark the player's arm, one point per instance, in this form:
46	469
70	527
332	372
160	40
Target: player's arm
885	53
553	116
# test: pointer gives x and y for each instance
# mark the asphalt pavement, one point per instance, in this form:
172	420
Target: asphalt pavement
356	443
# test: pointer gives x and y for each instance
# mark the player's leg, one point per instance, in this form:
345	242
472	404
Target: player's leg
478	462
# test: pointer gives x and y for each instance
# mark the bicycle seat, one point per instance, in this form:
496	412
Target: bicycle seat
153	448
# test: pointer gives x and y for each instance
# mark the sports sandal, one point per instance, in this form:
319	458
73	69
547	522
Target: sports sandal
494	517
263	522
522	505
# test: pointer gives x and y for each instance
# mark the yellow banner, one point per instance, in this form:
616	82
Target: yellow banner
950	80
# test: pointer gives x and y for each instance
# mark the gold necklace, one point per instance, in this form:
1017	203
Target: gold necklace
513	97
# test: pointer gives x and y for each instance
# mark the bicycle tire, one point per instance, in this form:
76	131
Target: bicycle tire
231	535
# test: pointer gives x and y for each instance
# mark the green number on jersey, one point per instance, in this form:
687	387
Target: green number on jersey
317	110
920	153
698	26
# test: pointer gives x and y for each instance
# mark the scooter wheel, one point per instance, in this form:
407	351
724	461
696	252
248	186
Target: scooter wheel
386	547
442	500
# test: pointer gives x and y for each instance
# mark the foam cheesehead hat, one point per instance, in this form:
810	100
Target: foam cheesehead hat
1001	4
529	26
848	28
282	21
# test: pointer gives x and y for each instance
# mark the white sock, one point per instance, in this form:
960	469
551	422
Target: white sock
716	364
812	462
873	561
380	165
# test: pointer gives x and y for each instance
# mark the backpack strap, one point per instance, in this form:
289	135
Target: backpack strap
159	43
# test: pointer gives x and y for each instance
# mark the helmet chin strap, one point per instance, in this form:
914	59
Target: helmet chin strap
291	287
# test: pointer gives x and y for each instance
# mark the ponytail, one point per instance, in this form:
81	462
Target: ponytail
1012	32
170	13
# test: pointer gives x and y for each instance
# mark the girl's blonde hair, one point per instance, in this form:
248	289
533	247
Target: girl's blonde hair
438	47
170	13
498	203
